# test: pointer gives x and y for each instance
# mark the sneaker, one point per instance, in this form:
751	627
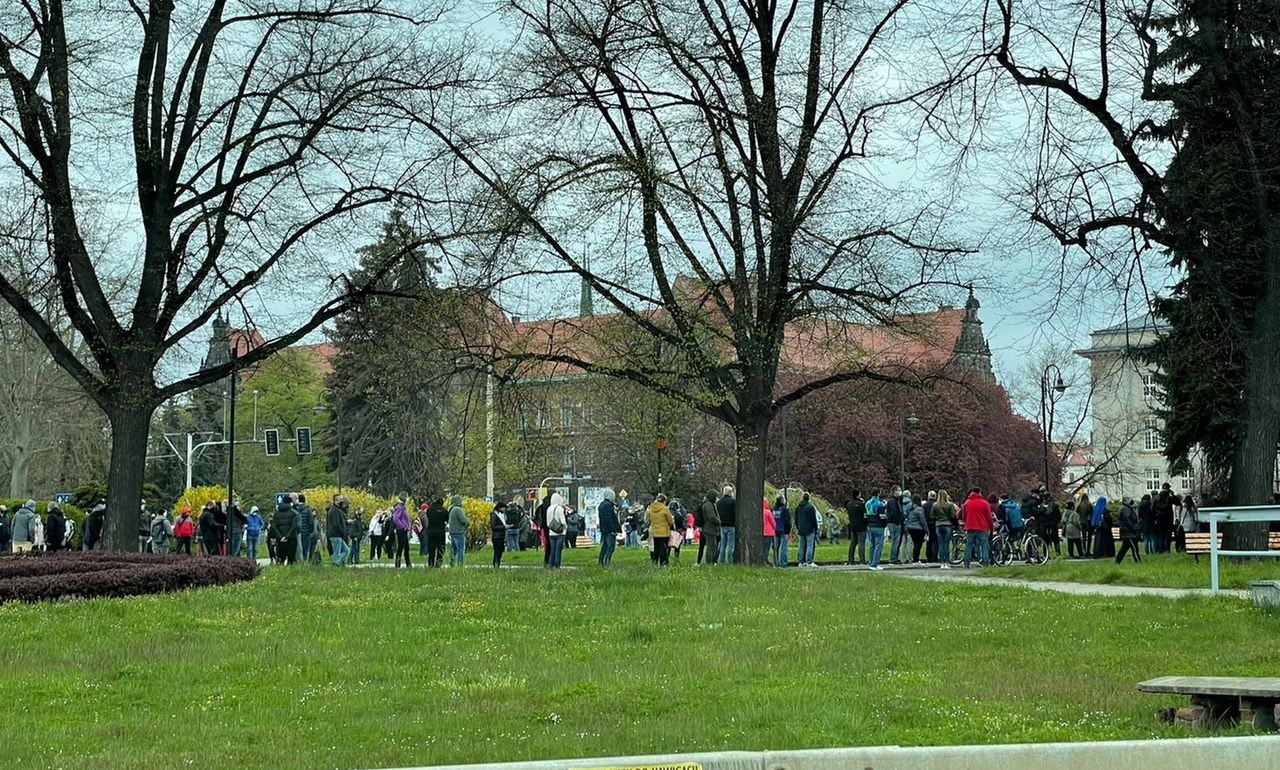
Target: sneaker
946	566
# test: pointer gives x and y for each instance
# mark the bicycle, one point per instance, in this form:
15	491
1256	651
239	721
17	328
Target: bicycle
1029	547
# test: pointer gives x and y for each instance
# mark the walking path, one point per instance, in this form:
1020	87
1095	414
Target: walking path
1076	589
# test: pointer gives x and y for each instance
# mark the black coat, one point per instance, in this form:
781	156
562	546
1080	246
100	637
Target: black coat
857	515
608	518
806	519
1147	517
728	508
497	525
1129	525
437	520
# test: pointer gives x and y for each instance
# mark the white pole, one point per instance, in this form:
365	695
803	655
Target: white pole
190	452
488	435
1213	553
255	415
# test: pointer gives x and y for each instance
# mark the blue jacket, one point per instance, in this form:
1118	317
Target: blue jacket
254	524
875	508
1012	514
806	518
1099	508
608	514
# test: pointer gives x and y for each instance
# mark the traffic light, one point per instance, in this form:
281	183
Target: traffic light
272	437
304	441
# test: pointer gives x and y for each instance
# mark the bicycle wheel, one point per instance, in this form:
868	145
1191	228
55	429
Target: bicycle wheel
957	549
1037	550
1001	551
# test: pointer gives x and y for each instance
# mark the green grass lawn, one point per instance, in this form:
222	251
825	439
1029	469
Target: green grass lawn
1170	570
324	667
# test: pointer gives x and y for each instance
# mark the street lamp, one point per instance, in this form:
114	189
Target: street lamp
907	419
1048	399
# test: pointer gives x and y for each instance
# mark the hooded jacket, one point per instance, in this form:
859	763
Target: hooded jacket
336	522
437	519
355	526
306	517
284	525
608	515
556	516
254	523
161	529
916	520
770	524
24	523
400	518
458	521
806	518
977	514
1130	527
710	516
660	520
875	509
55	525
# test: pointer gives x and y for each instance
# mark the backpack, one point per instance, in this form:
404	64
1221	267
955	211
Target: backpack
158	533
556	526
185	528
70	530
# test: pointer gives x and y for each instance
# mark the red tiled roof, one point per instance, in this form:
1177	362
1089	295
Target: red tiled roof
321	355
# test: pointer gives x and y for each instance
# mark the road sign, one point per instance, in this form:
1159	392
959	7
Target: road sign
62	498
271	437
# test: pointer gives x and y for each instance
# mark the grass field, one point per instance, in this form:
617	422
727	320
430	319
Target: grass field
1170	570
326	667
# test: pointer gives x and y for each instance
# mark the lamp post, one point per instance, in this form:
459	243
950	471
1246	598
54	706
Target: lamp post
337	433
907	419
1048	399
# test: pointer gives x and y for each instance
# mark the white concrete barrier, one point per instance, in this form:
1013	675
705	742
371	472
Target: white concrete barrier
1235	753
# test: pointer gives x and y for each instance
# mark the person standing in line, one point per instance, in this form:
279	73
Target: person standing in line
1104	542
660	524
144	527
709	526
376	535
355	533
237	522
943	515
458	523
283	529
306	525
1130	530
931	548
1084	511
544	537
94	525
1188	521
770	528
512	515
1147	525
857	509
807	530
55	528
498	532
727	507
436	532
420	527
610	528
184	531
916	523
335	524
574	523
160	532
978	521
782	522
210	531
1164	504
6	531
877	520
23	529
556	527
253	526
400	522
895	518
1072	532
1053	521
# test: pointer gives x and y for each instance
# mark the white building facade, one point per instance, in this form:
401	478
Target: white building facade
1127	449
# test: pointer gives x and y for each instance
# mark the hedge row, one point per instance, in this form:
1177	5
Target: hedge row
86	576
31	564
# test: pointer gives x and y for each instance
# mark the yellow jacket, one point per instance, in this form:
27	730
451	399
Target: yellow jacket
660	520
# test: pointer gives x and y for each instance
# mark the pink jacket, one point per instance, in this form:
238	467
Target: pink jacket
770	528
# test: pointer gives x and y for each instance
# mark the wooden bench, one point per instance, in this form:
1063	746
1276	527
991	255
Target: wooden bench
1220	701
1198	543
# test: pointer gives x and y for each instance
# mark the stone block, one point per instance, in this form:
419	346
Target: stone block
1193	717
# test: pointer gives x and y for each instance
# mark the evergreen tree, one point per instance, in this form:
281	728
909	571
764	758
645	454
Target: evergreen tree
389	379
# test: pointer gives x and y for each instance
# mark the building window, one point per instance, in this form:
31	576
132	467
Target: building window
566	458
1153	479
1187	482
1154	441
544	418
524	420
588	415
1150	390
566	417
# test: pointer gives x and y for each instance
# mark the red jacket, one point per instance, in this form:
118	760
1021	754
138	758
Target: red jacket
977	514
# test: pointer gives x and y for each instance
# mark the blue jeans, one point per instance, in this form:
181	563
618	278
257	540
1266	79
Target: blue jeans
944	543
633	539
783	546
457	548
555	547
808	545
235	542
306	545
353	557
875	545
253	546
894	533
339	547
977	544
513	540
608	542
728	539
770	546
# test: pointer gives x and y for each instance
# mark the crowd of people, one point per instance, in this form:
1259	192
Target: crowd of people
911	527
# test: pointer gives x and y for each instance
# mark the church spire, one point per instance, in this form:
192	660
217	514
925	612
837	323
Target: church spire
584	300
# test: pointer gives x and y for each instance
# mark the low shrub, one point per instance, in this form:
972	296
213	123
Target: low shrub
92	575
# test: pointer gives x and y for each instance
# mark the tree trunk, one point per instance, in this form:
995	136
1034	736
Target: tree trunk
20	458
1253	468
753	442
130	427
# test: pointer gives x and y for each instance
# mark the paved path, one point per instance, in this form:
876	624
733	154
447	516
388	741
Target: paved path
1077	589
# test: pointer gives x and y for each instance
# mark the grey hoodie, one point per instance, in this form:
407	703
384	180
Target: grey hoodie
458	521
24	523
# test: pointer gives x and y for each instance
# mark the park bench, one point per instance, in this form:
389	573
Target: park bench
1198	543
1220	701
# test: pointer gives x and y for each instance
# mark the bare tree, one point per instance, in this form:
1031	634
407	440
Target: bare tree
256	132
714	172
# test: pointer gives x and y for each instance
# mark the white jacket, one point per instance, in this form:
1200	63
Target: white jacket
555	512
